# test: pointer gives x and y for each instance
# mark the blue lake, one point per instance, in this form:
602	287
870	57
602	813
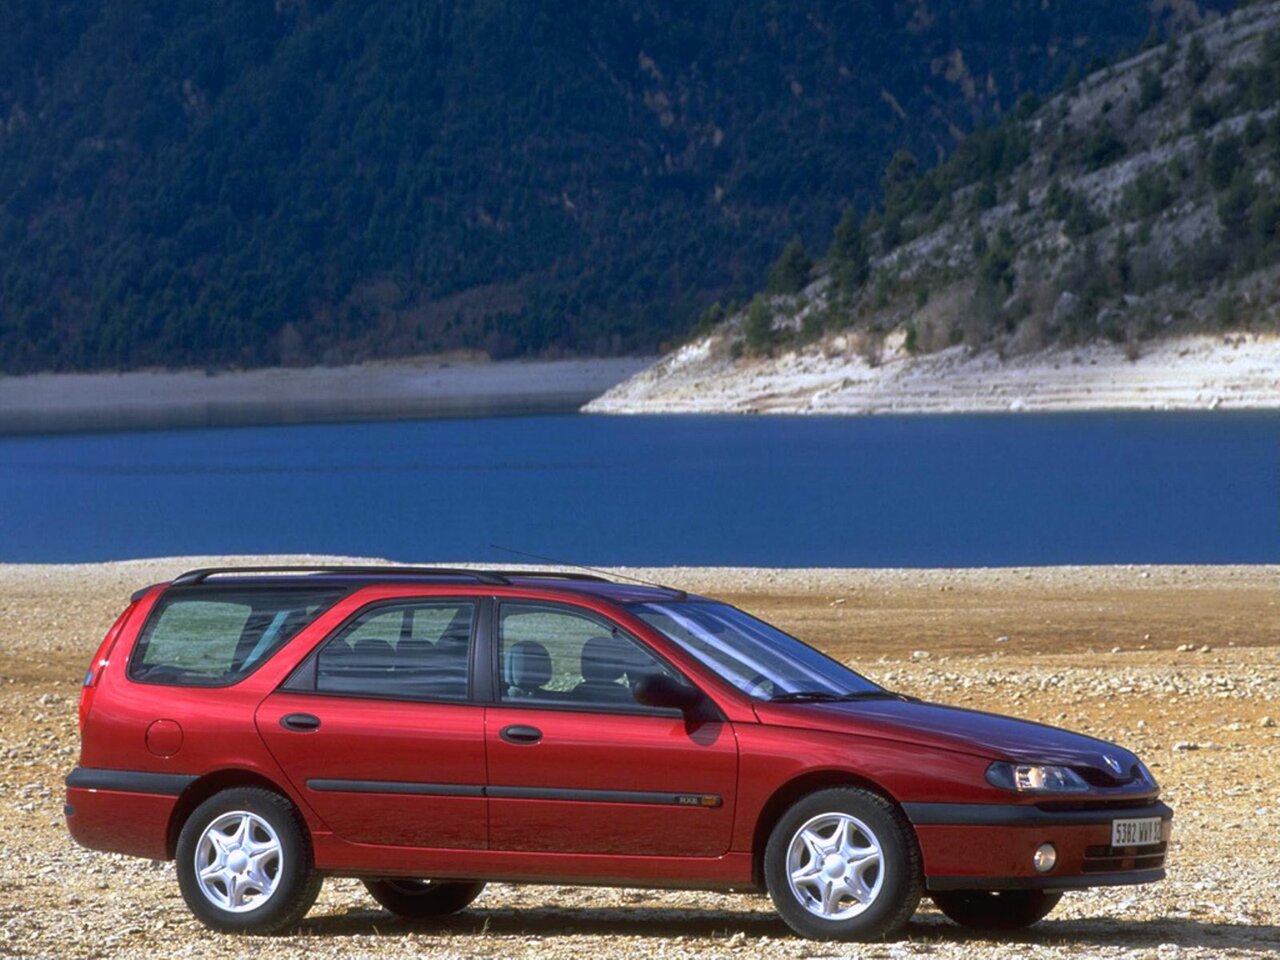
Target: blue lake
778	491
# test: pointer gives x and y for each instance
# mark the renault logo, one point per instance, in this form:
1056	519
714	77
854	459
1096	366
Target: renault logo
1113	763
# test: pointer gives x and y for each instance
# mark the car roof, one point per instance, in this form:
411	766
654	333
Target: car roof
351	577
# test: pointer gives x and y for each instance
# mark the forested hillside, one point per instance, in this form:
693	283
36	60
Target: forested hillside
1139	203
253	182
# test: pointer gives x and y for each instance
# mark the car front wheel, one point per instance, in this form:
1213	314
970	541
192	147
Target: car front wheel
420	899
843	864
996	909
244	863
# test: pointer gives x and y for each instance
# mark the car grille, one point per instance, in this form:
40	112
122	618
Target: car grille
1106	859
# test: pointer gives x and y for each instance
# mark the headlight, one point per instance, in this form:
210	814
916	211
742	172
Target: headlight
1035	778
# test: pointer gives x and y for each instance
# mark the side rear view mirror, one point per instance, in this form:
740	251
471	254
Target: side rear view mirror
666	692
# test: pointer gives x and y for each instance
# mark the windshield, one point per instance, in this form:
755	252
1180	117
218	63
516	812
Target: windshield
758	659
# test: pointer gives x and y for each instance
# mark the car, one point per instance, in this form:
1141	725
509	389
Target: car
428	730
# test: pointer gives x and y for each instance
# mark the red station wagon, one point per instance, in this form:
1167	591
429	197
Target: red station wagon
428	730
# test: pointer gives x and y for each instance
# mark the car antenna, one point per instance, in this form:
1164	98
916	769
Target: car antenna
579	566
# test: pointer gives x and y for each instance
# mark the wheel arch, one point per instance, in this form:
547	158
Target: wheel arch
788	793
215	782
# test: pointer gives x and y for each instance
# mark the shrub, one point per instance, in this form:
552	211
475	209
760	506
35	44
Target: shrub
985	196
708	320
869	345
911	343
1233	207
850	261
1196	65
1264	218
812	326
1057	199
790	272
1121	262
1273	133
1226	157
1148	195
1150	89
1202	114
995	265
1071	207
1226	313
1103	148
899	181
1254	131
757	329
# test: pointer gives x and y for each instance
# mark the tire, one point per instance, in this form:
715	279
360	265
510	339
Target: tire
422	899
996	909
875	895
267	881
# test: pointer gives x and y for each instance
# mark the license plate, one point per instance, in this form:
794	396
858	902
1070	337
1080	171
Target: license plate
1135	833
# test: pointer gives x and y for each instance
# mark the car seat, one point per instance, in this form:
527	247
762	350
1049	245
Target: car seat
527	670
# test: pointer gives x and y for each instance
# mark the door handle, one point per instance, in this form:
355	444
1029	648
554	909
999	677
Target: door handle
521	734
300	722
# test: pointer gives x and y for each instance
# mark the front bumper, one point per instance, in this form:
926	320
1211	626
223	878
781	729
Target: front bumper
990	846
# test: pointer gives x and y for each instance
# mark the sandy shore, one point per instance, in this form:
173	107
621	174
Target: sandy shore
1189	373
423	387
1180	663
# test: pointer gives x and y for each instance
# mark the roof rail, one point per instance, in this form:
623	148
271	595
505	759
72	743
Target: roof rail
550	575
192	577
489	577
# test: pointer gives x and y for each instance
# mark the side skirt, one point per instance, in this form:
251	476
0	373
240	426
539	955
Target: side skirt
731	872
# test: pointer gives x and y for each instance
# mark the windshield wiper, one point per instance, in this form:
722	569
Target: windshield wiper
825	696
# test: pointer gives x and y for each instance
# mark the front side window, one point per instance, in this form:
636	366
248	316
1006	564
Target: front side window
758	659
417	651
556	656
212	637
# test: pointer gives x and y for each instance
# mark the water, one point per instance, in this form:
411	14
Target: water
778	491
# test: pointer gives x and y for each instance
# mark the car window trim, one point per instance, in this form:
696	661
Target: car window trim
303	678
639	710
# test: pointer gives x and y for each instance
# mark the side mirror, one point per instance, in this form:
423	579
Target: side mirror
666	692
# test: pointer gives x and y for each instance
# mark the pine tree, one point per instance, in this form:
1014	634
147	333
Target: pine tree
790	272
850	261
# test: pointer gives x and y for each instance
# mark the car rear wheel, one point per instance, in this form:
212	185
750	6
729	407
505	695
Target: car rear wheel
843	864
996	909
244	863
420	899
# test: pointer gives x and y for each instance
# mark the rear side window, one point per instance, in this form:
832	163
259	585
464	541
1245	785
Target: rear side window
408	651
207	637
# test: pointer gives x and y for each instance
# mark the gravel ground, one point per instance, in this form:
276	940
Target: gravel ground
1182	664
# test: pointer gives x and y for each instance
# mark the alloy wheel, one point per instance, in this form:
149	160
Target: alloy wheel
238	860
835	866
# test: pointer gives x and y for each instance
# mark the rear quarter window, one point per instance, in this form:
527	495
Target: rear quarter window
206	637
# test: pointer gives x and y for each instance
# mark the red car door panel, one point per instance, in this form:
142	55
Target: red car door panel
385	772
610	783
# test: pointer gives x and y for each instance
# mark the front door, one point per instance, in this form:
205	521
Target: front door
577	766
378	732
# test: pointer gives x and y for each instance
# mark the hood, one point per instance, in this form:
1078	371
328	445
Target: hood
987	735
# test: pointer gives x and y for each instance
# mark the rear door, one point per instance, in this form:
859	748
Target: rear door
577	766
379	731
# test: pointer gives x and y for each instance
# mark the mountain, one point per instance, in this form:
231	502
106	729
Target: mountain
303	181
1137	207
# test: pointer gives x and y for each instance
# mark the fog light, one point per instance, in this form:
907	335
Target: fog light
1045	857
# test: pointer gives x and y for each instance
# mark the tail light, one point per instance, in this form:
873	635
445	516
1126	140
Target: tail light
99	663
